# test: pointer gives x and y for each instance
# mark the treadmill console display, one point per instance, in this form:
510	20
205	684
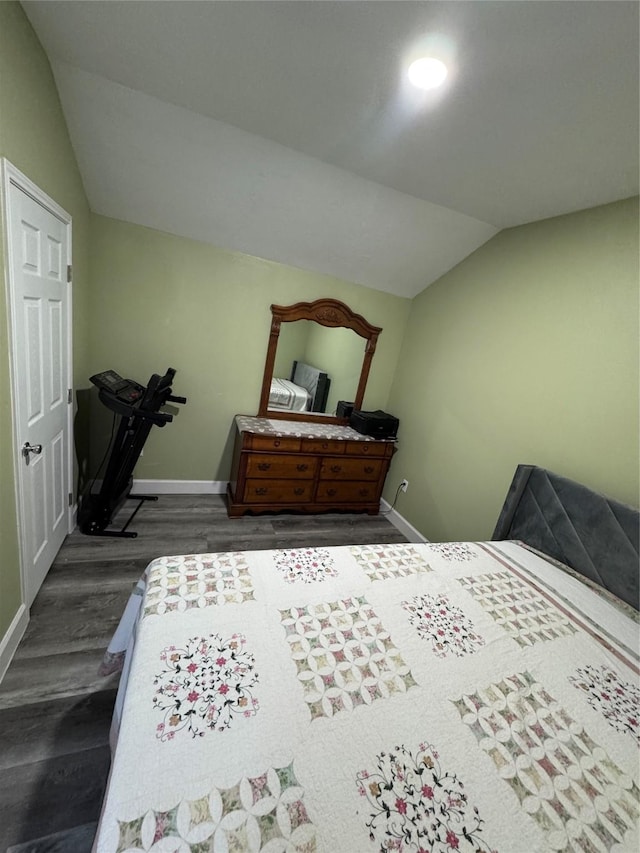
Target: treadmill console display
125	389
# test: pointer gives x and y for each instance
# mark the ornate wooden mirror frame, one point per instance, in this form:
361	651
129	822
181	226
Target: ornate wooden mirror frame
327	312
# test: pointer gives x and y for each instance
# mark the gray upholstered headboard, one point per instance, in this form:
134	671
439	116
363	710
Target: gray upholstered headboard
315	381
592	534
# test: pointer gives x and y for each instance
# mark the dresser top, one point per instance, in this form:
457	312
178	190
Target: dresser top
301	429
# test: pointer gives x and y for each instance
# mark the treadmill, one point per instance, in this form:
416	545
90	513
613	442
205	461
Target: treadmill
139	409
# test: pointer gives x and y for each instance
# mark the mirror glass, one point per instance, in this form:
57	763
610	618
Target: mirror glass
319	353
337	352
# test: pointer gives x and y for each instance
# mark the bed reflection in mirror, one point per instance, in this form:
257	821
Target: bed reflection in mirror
315	367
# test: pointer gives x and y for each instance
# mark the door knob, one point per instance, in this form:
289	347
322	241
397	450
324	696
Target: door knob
30	448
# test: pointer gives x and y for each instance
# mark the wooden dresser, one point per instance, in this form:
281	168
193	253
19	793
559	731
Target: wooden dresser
307	467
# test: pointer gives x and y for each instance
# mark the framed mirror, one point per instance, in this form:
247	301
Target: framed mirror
319	354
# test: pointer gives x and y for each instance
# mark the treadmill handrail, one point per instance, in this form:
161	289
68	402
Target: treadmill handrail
115	404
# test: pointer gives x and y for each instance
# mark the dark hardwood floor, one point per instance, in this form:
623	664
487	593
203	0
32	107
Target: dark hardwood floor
55	711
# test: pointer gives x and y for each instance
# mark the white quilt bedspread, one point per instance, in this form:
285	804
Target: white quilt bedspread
285	394
405	697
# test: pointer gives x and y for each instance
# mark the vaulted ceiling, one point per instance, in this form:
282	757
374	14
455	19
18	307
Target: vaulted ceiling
287	130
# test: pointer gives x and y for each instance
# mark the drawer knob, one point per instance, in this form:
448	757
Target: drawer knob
261	491
363	493
331	492
276	442
302	466
264	466
335	469
369	469
298	491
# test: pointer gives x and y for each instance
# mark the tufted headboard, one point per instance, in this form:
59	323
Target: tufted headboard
315	381
594	535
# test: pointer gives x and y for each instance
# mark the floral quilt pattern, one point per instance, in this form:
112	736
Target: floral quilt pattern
204	686
562	778
200	580
414	805
265	812
520	610
618	701
305	564
459	552
446	626
381	562
344	655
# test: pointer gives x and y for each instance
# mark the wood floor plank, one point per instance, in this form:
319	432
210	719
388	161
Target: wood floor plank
53	677
353	520
324	540
82	548
99	573
52	795
238	542
32	732
89	623
199	504
76	840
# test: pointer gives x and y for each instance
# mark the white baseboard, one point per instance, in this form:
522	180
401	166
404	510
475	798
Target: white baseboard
180	487
11	639
401	523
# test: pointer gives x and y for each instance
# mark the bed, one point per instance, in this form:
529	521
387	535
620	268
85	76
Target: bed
305	391
475	696
287	396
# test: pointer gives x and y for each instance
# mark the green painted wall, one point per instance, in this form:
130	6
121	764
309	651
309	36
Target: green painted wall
292	346
34	137
158	300
527	351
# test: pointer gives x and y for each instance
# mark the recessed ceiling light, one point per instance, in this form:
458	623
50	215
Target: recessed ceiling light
427	73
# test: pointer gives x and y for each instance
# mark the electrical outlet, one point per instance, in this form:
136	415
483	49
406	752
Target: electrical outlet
404	485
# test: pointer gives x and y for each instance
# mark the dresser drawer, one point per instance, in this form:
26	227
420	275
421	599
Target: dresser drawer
278	491
270	442
322	445
269	466
368	448
341	492
350	469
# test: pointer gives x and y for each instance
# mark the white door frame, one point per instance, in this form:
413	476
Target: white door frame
13	176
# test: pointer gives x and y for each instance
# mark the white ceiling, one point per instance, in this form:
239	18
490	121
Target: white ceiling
286	130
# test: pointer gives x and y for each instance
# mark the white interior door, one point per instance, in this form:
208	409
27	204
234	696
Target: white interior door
39	241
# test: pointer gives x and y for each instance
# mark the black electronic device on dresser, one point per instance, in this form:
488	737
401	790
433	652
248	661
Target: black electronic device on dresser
376	424
344	409
139	409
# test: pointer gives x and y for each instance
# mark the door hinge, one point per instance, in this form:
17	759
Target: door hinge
70	395
69	273
70	498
